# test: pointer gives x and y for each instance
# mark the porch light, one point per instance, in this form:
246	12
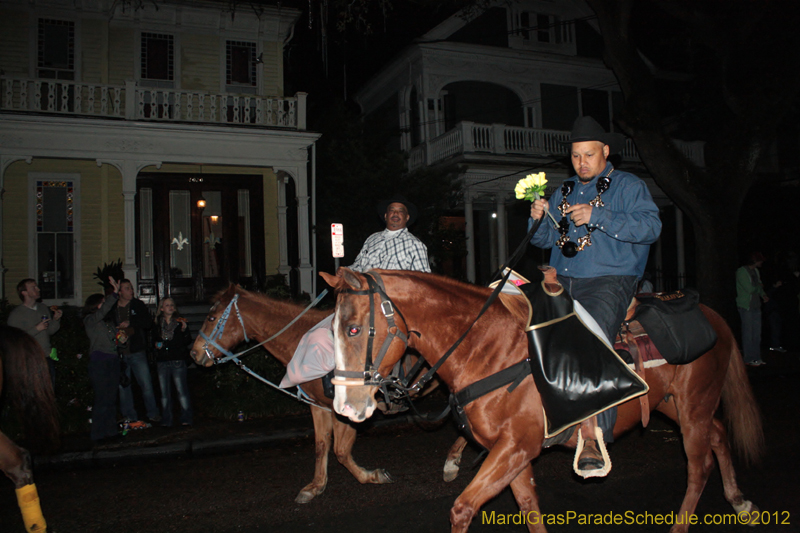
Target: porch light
201	203
214	219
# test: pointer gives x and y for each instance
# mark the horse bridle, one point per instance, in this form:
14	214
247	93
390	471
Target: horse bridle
370	374
219	329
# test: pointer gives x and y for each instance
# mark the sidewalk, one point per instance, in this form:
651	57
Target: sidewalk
206	436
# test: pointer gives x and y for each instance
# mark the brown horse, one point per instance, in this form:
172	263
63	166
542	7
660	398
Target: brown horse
24	372
262	317
510	425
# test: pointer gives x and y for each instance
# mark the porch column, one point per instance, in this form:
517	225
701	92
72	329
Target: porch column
5	162
283	244
502	230
129	170
470	231
681	247
304	268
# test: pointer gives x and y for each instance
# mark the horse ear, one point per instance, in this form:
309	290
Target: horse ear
349	277
330	279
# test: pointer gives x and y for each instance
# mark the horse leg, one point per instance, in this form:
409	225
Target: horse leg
524	489
322	439
696	432
719	443
15	462
344	438
454	459
503	464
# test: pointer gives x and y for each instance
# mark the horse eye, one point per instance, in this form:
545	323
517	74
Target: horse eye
212	318
353	331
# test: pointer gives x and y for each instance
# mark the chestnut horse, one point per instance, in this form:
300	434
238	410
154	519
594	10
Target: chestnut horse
28	388
262	317
510	425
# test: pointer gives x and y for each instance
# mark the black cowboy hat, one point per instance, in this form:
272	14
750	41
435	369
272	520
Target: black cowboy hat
587	129
398	199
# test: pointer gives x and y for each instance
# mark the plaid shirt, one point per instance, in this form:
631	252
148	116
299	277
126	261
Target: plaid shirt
401	252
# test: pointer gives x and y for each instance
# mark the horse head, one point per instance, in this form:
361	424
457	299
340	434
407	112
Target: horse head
369	338
222	329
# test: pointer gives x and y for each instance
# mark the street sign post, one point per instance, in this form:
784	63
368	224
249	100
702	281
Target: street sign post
337	242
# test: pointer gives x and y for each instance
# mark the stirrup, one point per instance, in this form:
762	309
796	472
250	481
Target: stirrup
601	445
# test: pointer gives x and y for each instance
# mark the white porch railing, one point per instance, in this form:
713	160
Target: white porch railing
131	102
499	139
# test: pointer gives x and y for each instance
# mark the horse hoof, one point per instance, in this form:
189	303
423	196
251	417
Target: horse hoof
305	496
450	474
748	513
384	476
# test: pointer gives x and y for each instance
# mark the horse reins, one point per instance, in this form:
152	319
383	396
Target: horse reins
219	328
370	375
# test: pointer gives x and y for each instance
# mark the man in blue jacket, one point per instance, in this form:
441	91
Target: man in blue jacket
607	222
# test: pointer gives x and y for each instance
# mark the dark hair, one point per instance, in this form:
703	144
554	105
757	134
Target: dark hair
91	304
755	257
22	286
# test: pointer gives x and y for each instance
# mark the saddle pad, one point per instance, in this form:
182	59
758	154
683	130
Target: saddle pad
576	371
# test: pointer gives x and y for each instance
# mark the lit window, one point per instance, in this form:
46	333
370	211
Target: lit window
55	248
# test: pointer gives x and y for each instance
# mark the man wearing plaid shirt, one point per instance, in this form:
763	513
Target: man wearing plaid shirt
394	248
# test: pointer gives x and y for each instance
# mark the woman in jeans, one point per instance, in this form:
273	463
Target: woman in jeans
104	367
172	342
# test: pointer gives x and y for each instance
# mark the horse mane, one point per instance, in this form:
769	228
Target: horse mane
29	388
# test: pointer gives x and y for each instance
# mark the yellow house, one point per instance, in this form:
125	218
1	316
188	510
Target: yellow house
156	133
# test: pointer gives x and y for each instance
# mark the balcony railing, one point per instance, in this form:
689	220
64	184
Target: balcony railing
131	102
499	139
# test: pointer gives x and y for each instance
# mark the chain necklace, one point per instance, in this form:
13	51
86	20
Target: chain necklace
569	248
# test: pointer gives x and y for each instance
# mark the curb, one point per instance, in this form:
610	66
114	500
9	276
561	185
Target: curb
188	448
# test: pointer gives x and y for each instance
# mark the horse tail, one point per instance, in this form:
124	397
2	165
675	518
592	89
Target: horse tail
29	388
740	410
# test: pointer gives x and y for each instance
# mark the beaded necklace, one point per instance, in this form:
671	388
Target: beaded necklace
568	248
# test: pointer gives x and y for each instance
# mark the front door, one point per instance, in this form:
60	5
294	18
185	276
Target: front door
197	234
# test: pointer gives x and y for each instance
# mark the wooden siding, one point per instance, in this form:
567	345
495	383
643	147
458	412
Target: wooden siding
94	51
200	62
14	54
120	55
272	69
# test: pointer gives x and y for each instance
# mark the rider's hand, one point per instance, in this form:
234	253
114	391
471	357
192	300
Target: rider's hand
538	208
580	213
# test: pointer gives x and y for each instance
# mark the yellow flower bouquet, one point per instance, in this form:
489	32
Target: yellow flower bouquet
531	187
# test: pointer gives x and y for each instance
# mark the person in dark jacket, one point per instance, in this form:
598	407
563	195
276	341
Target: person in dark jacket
133	320
172	342
103	364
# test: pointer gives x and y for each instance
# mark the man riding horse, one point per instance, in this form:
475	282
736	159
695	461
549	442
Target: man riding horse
607	222
394	248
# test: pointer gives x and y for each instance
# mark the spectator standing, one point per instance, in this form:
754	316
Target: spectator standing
133	320
35	319
749	297
172	342
103	364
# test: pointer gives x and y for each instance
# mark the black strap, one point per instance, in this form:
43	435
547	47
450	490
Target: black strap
513	374
492	297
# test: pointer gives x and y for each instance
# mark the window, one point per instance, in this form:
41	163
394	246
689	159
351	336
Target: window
158	58
240	63
537	27
55	238
56	49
